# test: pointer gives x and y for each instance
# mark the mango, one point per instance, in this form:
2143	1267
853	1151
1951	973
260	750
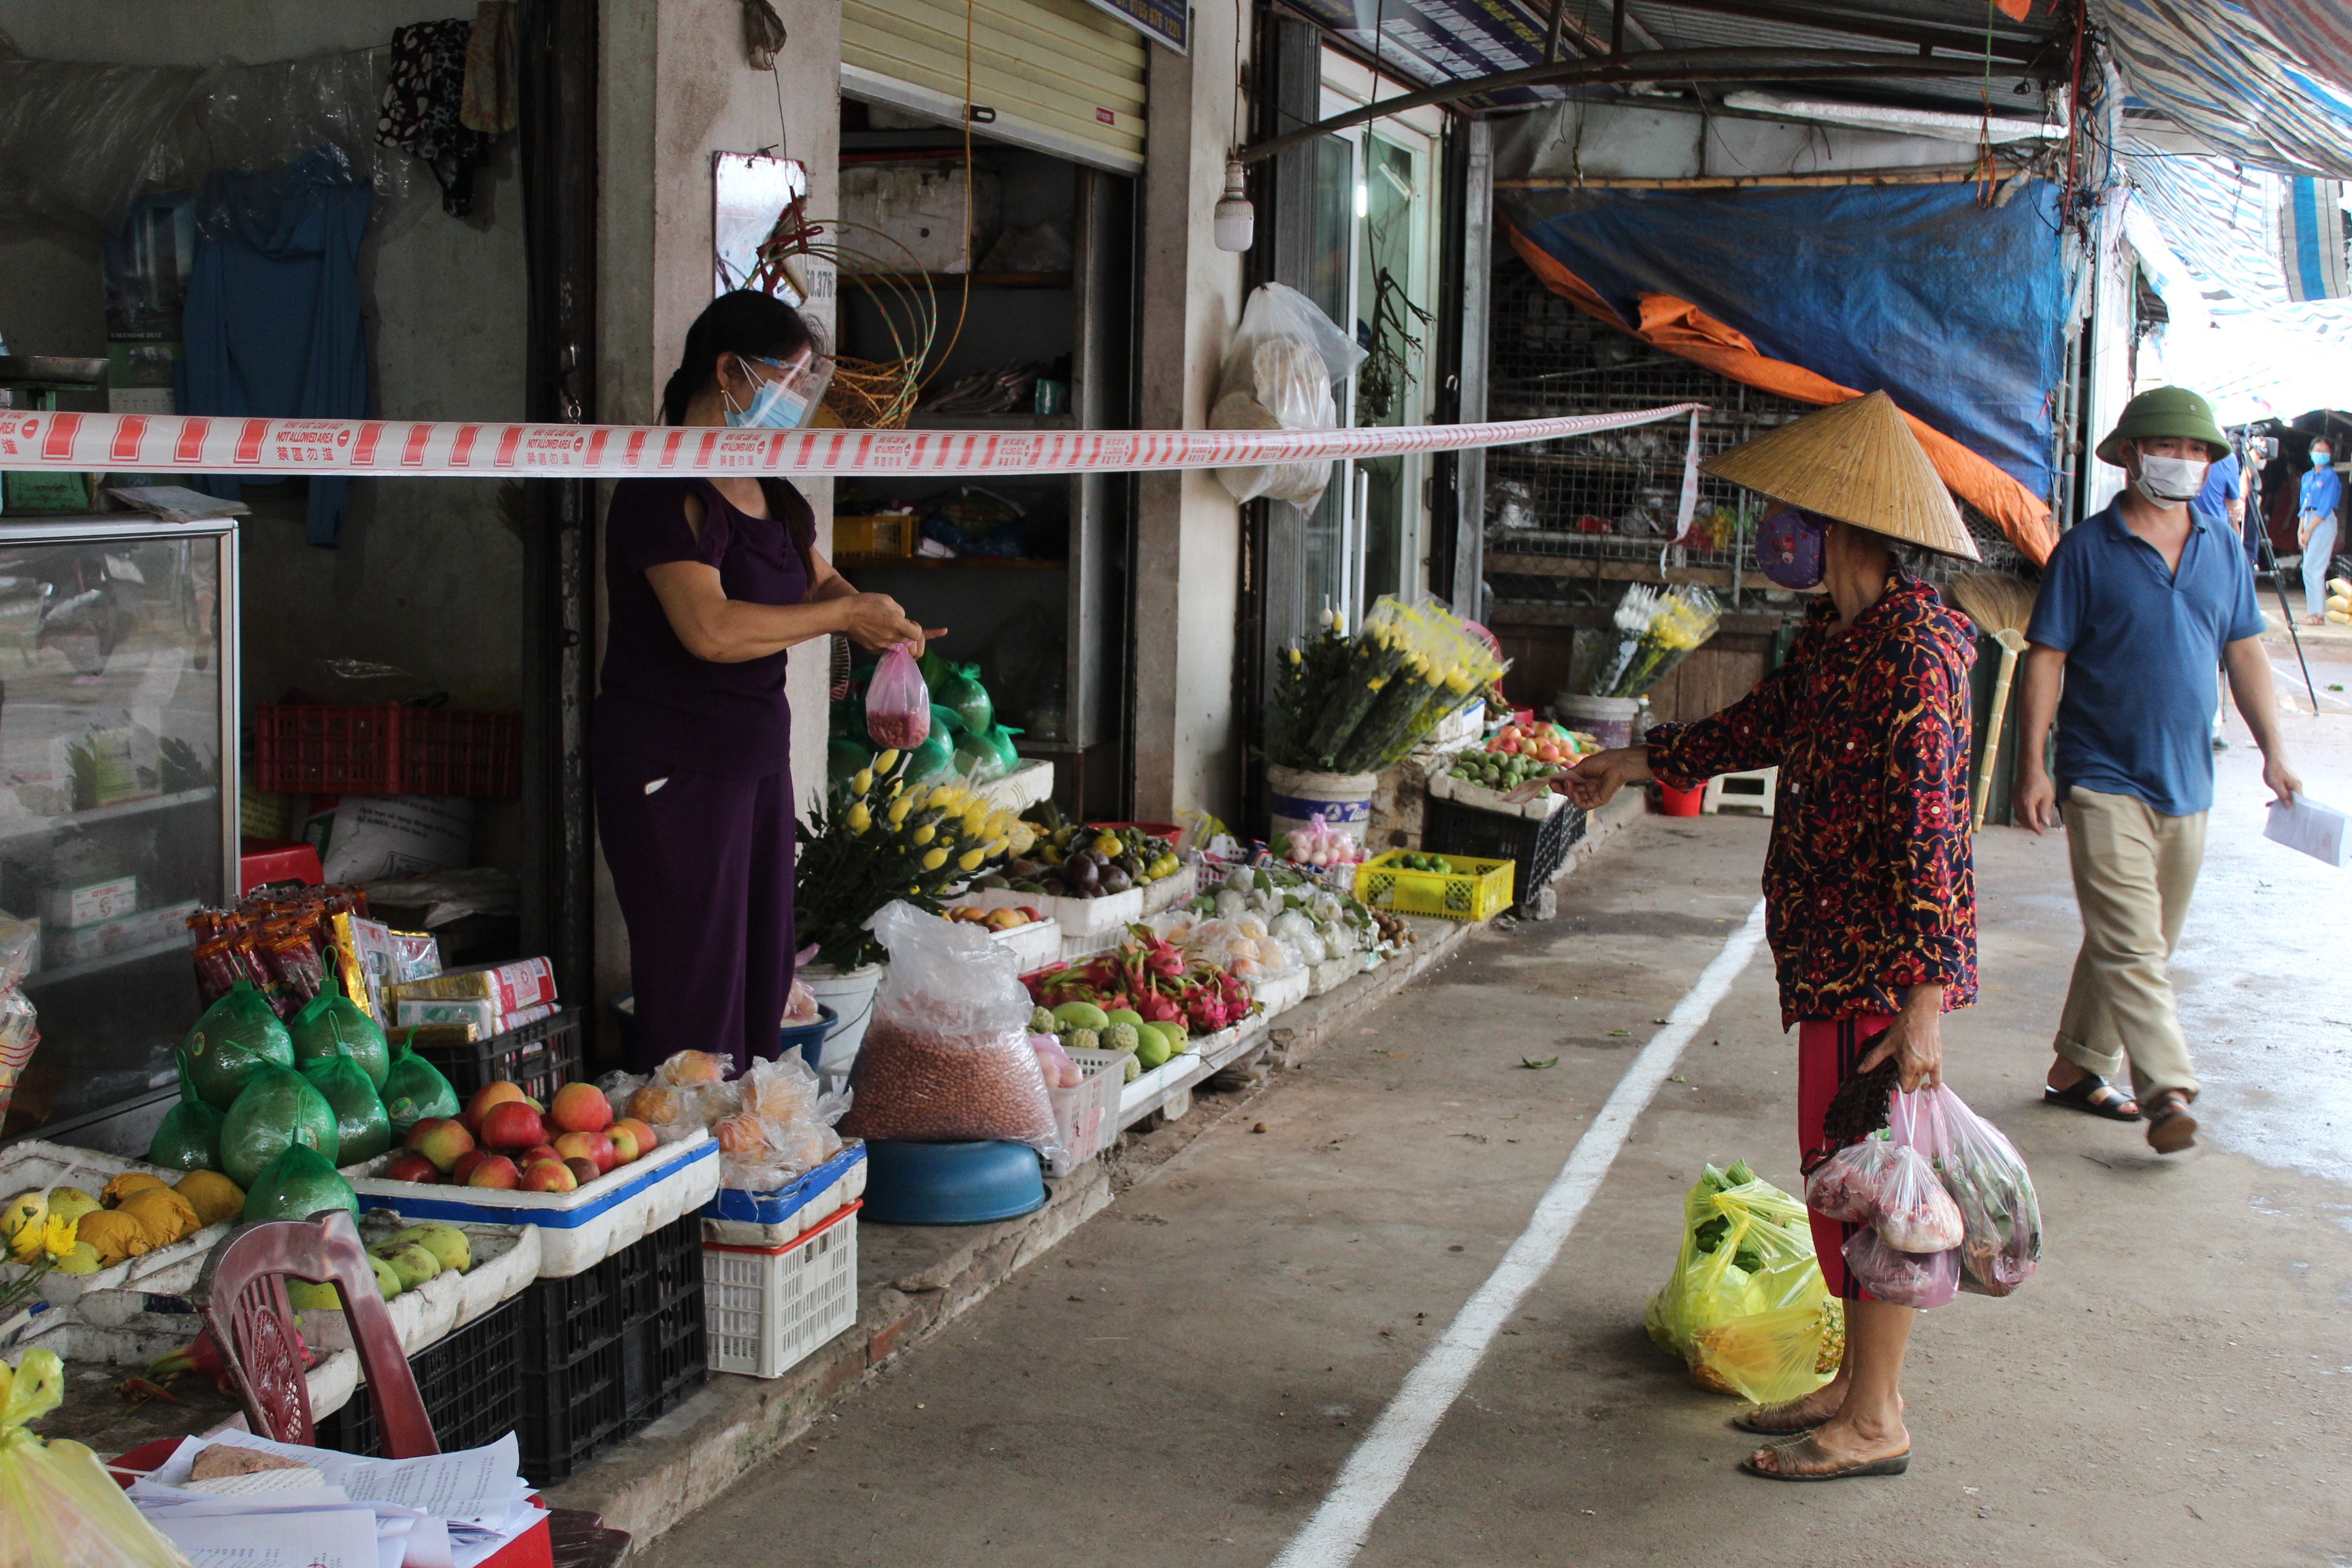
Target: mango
387	1278
1081	1016
1124	1015
305	1297
413	1264
450	1247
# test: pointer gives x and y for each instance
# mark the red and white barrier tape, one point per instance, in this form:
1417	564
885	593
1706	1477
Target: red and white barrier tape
170	443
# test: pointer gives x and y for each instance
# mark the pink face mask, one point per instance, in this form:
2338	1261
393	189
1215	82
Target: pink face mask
1789	546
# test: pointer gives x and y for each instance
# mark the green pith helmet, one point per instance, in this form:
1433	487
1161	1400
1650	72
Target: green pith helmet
2165	411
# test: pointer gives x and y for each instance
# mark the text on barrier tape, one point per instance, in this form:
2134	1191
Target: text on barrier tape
208	445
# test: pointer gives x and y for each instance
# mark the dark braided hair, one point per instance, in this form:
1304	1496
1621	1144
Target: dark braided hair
745	322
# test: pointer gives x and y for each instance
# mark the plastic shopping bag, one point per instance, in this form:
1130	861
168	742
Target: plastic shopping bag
1847	1186
898	703
58	1508
1920	1279
1743	1308
1999	1215
947	1056
1277	374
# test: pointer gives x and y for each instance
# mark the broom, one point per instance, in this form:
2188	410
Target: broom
2002	605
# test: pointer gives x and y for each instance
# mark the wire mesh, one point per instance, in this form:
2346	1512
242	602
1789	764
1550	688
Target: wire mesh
1611	496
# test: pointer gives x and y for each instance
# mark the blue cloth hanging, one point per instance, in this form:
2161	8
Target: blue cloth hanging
272	325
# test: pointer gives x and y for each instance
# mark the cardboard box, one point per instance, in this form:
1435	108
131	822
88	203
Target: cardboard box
71	909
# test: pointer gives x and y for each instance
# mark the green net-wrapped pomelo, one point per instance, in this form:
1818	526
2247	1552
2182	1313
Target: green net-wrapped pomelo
188	1138
843	759
963	693
279	1107
331	1025
237	1036
301	1182
936	755
415	1090
1008	756
362	1130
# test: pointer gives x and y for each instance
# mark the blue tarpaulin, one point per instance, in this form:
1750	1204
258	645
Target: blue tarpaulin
1956	310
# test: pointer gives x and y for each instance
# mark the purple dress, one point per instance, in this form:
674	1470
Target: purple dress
693	774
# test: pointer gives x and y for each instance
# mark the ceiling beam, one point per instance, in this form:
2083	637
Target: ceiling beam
1894	30
1679	67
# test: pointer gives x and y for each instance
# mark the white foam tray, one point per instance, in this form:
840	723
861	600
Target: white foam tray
846	1189
1171	890
1078	917
1283	991
1034	946
1024	787
141	1337
506	1260
167	1272
1333	973
1445	786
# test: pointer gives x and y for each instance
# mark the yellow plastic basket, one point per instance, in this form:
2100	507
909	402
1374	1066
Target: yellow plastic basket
890	534
1476	890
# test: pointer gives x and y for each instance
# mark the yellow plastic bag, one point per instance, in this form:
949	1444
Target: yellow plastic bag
1745	1306
58	1508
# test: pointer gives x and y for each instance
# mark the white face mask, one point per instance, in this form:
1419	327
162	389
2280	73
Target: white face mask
2168	481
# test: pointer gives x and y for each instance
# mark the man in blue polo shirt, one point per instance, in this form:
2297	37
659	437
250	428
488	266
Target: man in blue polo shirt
2137	606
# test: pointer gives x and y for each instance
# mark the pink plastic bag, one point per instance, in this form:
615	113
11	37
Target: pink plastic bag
898	703
2001	1216
1847	1185
1920	1279
1915	1214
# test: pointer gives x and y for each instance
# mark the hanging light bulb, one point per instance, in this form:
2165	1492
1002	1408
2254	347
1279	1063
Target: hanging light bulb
1237	220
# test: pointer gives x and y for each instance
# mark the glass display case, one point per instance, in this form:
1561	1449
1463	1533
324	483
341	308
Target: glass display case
118	789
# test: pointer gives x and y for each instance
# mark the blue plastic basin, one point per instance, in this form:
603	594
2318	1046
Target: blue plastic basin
950	1184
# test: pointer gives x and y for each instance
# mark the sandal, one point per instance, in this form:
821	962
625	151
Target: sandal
1757	1418
2170	1129
1817	1465
2095	1095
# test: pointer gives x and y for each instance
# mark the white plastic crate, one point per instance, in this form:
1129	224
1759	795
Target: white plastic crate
765	1309
1085	1118
1034	946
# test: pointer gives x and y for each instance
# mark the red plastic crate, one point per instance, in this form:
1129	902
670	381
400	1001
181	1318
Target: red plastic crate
336	748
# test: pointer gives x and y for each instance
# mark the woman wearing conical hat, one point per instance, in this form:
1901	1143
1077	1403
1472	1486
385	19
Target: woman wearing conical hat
1870	898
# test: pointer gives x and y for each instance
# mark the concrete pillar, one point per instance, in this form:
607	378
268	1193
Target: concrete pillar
1188	739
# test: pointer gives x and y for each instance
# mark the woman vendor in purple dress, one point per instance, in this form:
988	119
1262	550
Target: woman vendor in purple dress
709	581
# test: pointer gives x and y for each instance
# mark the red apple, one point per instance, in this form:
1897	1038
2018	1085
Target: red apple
547	1176
582	1170
581	1108
598	1147
491	1094
625	1143
495	1171
422	1129
462	1172
444	1144
537	1151
511	1124
645	1136
412	1167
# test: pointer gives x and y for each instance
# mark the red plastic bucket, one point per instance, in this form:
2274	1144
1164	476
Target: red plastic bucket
1673	802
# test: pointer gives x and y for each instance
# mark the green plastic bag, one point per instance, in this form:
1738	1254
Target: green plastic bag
1746	1307
301	1182
277	1109
362	1131
188	1138
414	1090
935	756
963	693
331	1025
236	1036
844	758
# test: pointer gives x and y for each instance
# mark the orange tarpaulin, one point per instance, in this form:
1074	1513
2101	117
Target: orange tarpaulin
1683	329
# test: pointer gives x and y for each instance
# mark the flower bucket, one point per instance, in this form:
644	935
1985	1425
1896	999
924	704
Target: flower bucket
1294	796
851	997
1608	720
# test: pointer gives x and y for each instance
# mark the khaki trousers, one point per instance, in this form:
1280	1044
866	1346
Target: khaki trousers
2134	870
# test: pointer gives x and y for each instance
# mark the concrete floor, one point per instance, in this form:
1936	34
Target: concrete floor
1185	1376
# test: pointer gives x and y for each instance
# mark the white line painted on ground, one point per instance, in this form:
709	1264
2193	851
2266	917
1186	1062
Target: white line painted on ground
1379	1464
2292	694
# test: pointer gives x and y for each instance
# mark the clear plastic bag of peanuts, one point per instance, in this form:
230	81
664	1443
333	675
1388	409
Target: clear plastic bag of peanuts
946	1059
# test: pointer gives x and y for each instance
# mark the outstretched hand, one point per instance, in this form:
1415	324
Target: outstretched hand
1594	781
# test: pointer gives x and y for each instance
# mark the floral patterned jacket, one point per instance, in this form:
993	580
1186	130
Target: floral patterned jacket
1868	885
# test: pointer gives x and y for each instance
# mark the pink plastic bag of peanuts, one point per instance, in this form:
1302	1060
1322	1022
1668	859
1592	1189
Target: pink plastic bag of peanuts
898	703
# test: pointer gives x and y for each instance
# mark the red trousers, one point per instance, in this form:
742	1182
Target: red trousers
1828	1052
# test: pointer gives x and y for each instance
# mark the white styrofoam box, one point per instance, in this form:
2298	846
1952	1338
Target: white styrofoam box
1280	992
583	1226
139	1339
1171	890
506	1260
1329	973
1086	1118
1445	786
1078	917
167	1272
1460	728
741	1218
765	1309
1022	788
1034	946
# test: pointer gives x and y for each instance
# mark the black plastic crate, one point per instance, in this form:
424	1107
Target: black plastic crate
538	1058
471	1383
1540	849
610	1349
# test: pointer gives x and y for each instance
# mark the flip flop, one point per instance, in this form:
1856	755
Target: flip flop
1807	1450
1752	1420
2084	1095
2171	1130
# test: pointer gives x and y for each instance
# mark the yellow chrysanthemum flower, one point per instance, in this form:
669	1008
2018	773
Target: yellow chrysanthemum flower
860	819
971	858
899	811
925	833
863	781
886	761
935	859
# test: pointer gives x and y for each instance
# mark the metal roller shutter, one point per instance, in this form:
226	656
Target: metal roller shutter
1061	77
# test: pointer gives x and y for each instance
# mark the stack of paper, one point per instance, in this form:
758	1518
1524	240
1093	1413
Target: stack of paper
448	1510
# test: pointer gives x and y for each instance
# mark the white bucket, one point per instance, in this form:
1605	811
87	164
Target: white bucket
1608	720
1293	797
851	997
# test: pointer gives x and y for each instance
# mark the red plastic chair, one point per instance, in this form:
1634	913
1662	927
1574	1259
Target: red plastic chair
243	1298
